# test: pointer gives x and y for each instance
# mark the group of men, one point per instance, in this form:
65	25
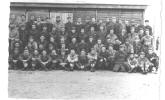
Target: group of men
39	44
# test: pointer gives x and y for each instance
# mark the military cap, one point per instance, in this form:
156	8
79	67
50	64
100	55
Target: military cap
58	17
146	20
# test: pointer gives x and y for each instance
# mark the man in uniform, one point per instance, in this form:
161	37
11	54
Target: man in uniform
35	60
102	58
14	59
82	35
72	34
54	60
154	59
72	59
34	33
44	32
25	59
23	35
147	41
90	43
147	26
83	60
78	25
111	57
44	60
143	63
42	44
69	25
32	44
58	24
82	46
73	45
92	56
101	34
120	60
92	33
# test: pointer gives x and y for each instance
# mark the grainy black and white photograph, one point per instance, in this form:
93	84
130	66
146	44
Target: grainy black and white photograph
84	50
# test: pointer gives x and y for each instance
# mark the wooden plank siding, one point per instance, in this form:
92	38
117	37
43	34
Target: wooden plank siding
80	10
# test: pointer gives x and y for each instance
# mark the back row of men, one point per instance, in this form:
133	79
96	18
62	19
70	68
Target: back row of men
77	37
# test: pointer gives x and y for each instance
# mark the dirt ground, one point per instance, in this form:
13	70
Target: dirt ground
80	85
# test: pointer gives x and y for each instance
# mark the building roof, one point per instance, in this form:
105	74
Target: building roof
120	2
76	5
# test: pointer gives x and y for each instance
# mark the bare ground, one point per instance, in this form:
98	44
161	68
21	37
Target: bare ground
80	85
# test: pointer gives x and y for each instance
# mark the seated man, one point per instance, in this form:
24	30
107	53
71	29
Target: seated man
111	57
132	63
154	59
25	59
102	58
54	60
14	59
35	60
63	60
143	63
92	56
120	60
44	60
98	46
72	59
83	61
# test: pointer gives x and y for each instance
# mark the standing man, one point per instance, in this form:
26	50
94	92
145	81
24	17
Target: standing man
147	26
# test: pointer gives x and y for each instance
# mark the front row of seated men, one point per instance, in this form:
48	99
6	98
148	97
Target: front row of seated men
109	59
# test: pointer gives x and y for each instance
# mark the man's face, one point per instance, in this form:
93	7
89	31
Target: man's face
73	30
131	55
114	20
72	52
103	49
82	30
44	28
42	38
147	23
92	28
32	17
33	27
79	19
121	48
101	27
132	30
16	51
150	51
51	39
107	20
54	52
90	39
110	47
63	29
141	31
38	19
23	18
99	41
35	52
73	40
58	19
44	52
127	22
142	55
111	31
69	20
93	19
82	53
54	28
147	32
